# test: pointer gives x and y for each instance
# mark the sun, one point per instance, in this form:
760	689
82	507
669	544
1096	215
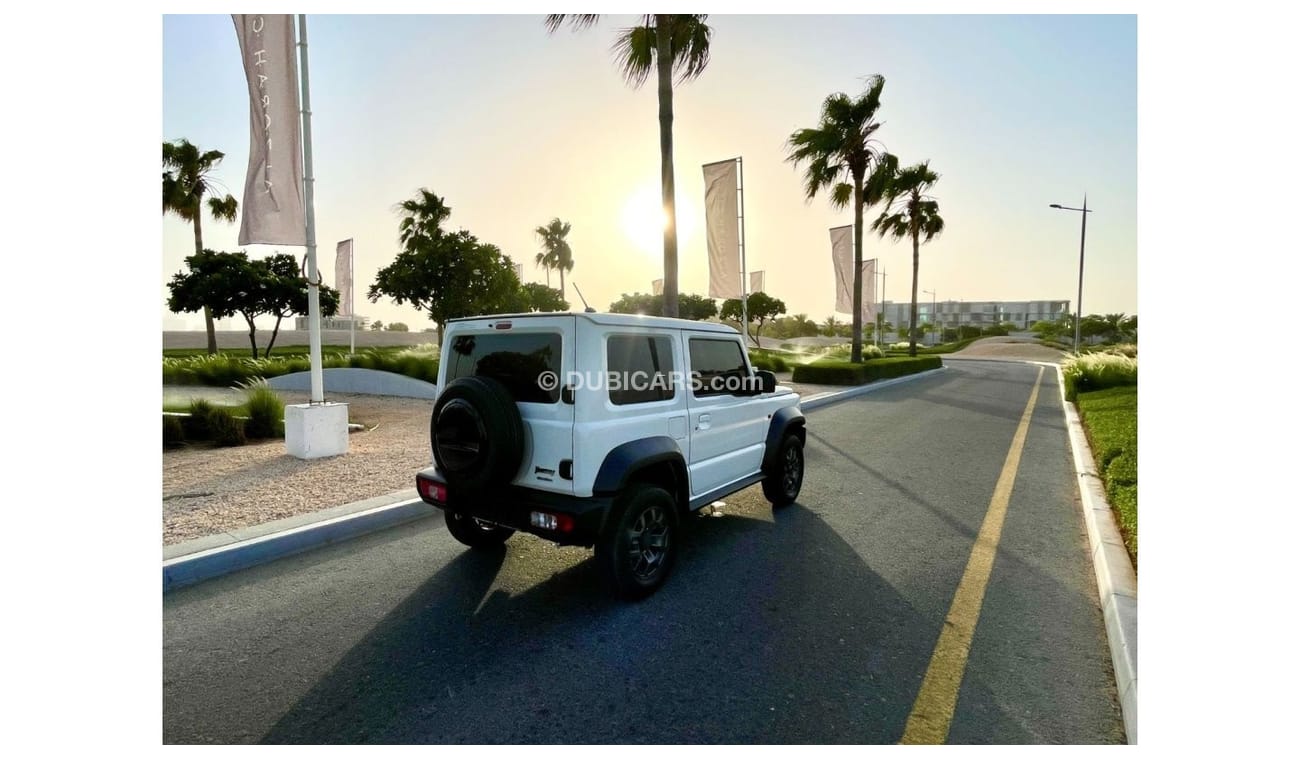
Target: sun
644	219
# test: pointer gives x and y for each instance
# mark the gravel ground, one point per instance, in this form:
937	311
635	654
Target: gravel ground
210	490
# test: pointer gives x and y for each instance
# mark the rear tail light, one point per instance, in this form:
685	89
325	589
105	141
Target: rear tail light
433	491
548	521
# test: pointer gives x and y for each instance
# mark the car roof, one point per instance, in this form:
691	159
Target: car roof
620	320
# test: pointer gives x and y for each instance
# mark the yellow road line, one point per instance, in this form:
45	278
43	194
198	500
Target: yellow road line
932	712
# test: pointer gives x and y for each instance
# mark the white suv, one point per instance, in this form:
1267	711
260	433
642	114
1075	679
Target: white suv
603	430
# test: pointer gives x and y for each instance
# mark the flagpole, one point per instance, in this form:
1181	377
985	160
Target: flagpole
880	328
352	307
744	274
313	277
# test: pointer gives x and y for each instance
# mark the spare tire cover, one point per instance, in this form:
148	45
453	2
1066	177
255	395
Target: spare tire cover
477	433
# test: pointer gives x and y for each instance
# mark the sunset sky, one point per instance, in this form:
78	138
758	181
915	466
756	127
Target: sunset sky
514	126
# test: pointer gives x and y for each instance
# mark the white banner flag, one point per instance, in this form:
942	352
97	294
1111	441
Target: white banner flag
272	210
869	292
722	222
842	257
657	287
343	276
756	282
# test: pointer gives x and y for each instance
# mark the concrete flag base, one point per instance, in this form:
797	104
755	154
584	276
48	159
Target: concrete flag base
312	431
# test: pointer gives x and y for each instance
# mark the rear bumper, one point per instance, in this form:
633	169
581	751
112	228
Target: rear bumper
512	507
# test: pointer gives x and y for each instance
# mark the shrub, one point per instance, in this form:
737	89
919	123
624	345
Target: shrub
847	373
197	426
826	372
225	370
763	359
173	432
1091	372
265	410
901	346
872	351
226	429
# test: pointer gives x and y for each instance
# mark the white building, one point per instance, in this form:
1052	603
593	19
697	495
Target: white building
1022	314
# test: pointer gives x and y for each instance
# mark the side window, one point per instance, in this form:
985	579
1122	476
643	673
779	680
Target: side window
717	366
640	367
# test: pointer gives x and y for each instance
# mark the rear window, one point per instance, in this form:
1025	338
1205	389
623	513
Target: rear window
516	360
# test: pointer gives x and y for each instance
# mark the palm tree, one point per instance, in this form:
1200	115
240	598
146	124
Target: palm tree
672	46
422	218
186	179
556	253
910	212
840	153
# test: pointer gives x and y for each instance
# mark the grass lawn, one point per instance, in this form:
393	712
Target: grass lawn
1110	419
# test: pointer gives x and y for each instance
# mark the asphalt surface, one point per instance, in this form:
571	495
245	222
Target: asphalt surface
814	623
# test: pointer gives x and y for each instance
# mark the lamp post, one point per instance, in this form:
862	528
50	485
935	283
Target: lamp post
1083	231
933	300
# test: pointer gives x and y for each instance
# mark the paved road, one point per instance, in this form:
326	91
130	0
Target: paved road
814	623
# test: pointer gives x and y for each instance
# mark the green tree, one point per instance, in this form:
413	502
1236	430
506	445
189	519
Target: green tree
910	212
445	274
534	296
673	47
1094	326
840	154
1130	328
378	324
186	180
556	253
1115	327
229	284
689	306
284	292
398	327
761	307
830	327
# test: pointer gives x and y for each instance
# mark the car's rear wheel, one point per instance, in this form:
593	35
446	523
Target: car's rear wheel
638	548
476	533
783	481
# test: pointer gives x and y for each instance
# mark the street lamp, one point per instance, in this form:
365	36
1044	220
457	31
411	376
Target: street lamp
1083	231
933	300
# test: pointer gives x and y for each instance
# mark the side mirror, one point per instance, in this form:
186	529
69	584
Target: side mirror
766	380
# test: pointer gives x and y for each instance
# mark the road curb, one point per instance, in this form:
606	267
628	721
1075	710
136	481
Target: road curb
1116	578
837	396
220	555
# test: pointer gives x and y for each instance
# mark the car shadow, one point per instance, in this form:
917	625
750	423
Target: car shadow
771	629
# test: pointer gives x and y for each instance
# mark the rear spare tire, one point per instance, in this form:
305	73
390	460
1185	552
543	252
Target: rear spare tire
477	434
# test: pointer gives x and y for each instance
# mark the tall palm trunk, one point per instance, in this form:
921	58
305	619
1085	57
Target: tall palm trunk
207	311
856	355
664	59
916	268
562	283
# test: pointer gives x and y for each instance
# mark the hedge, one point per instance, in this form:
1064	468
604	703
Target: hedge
848	373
